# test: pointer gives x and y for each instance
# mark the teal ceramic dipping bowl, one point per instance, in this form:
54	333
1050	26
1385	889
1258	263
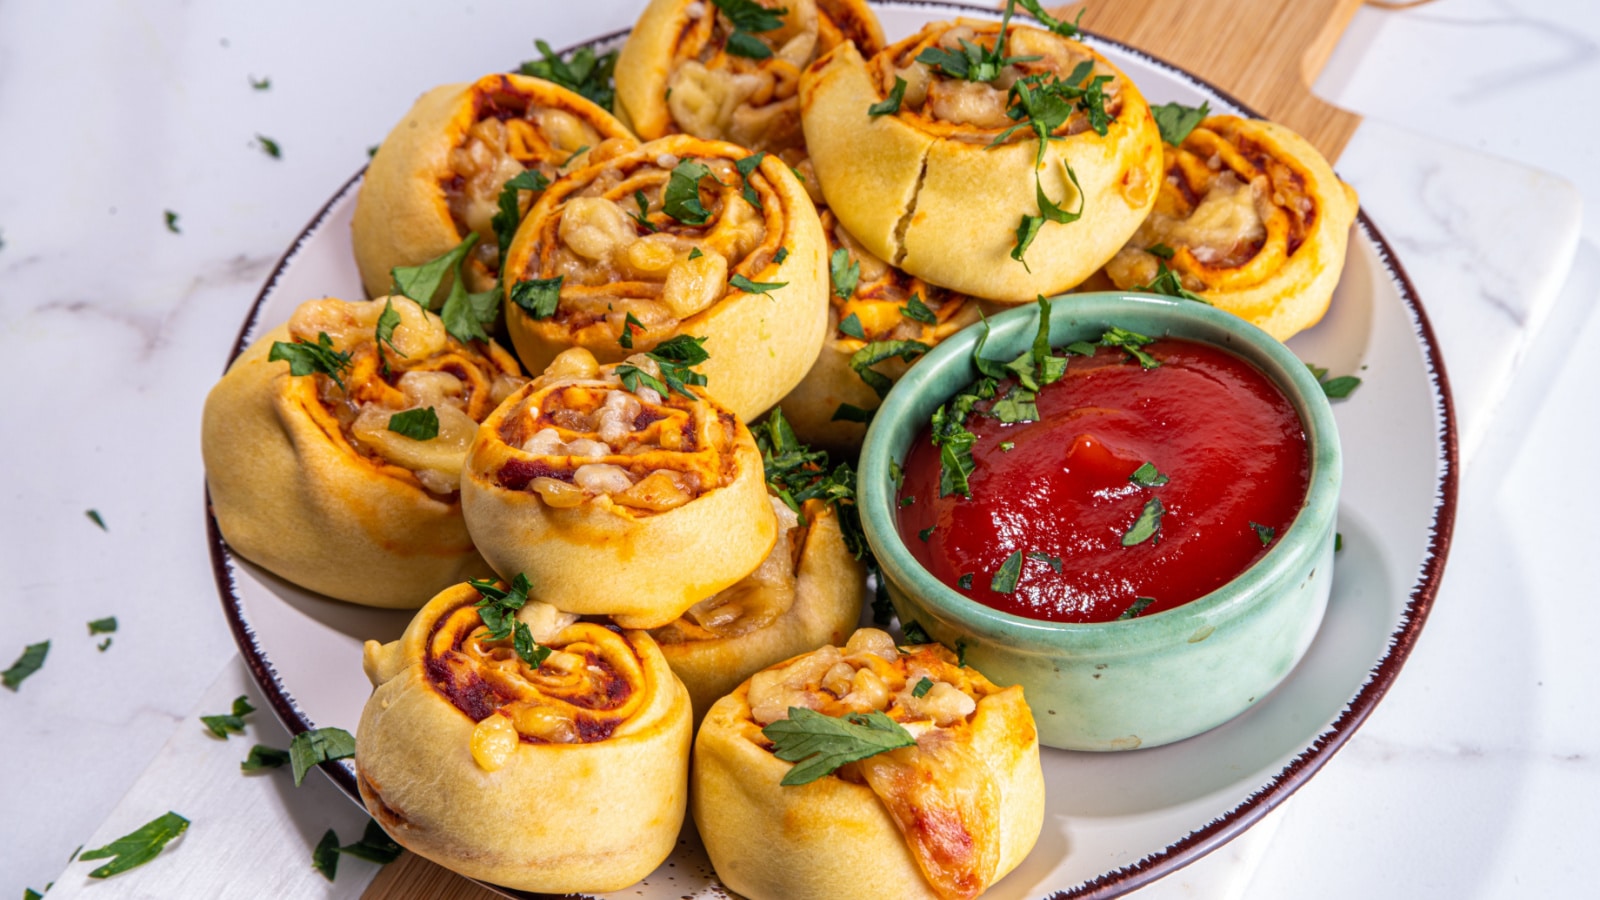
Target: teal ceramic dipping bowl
1146	681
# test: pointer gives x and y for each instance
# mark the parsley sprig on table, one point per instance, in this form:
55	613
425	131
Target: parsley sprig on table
137	847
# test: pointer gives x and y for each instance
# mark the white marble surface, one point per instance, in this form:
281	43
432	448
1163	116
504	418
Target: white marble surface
1475	778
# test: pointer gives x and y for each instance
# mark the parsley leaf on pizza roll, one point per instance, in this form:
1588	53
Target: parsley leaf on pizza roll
515	744
334	447
881	320
729	70
679	236
620	490
867	759
1249	216
1057	142
469	158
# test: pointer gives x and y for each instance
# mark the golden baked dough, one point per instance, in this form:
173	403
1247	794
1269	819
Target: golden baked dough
439	174
807	592
946	818
905	182
1255	219
677	73
308	481
612	261
879	301
617	501
564	776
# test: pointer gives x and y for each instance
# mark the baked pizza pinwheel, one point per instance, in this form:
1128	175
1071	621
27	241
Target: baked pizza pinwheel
939	795
615	497
679	236
544	754
880	321
807	592
440	173
334	447
1058	144
1252	218
729	70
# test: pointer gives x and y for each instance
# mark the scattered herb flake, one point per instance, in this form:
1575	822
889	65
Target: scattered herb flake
583	72
375	846
94	516
497	606
1341	387
907	501
270	146
849	412
819	743
755	287
925	533
1054	562
681	198
264	757
749	18
876	352
844	272
961	652
108	625
1005	579
1169	283
629	323
172	221
420	424
531	651
325	856
319	745
1264	533
1132	343
694	253
306	358
29	662
505	221
746	166
1176	120
914	634
922	688
1007	446
221	725
260	84
1160	251
538	297
138	847
889	105
1147	526
780	256
965	582
917	311
1148	476
1059	26
104	645
1338	541
675	359
1138	606
851	326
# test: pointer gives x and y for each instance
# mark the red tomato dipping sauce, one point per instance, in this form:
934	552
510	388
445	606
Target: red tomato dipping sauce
1124	489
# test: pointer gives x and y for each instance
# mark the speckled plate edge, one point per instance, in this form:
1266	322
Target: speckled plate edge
1198	842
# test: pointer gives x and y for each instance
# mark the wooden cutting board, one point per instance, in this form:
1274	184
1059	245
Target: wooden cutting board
1264	52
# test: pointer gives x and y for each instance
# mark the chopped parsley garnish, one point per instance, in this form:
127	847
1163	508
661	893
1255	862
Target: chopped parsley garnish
497	606
629	323
531	651
1005	578
538	297
417	424
104	645
681	198
1170	284
745	167
1161	251
849	412
172	221
965	582
1139	605
138	847
749	19
29	662
383	334
1028	228
850	326
1148	476
319	745
1334	388
755	287
1007	446
889	105
1176	120
375	846
1016	406
961	652
795	473
925	533
325	856
915	634
1132	343
260	84
305	358
819	743
972	62
573	156
675	358
923	687
694	253
222	725
1264	533
1059	26
94	516
908	501
464	314
505	221
780	256
584	73
642	217
1148	525
108	625
844	272
1054	562
264	757
270	146
917	311
1338	541
422	282
876	352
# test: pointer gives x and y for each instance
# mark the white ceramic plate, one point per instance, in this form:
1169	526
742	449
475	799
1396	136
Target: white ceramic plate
1114	821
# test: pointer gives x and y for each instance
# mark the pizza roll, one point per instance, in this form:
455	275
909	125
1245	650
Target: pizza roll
945	817
690	67
733	255
345	480
1251	217
888	332
617	501
901	174
807	592
557	774
439	174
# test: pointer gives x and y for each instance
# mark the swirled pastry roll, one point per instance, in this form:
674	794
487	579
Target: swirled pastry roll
1255	221
730	71
944	817
345	479
563	774
439	174
807	592
617	501
726	246
901	166
875	325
